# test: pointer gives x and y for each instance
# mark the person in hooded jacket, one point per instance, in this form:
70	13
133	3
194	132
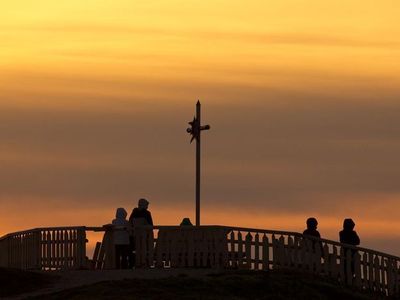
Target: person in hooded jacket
349	236
121	238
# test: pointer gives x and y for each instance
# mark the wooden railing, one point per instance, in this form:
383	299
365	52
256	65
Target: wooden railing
64	248
256	249
44	249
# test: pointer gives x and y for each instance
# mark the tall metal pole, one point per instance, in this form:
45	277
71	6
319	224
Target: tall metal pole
195	131
198	116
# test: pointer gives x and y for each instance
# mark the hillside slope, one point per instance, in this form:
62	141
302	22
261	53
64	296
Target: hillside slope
227	285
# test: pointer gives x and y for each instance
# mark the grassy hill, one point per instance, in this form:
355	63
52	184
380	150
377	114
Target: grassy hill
227	285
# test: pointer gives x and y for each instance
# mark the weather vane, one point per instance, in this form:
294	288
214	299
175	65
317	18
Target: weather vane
195	131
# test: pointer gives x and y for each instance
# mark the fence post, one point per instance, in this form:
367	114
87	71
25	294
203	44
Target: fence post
248	250
257	252
265	256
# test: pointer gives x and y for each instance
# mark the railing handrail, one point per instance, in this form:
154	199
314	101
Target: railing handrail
42	229
336	243
266	231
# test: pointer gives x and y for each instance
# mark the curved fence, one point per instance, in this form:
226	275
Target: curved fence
62	248
256	249
44	249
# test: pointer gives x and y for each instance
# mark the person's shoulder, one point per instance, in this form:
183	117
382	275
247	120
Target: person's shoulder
134	211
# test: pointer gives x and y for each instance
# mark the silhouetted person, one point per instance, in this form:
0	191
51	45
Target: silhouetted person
186	222
121	238
349	236
311	230
139	216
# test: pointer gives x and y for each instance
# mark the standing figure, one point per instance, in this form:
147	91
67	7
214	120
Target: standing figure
121	238
349	236
139	216
311	230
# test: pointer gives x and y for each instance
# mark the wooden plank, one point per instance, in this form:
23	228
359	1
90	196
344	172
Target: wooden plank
95	258
342	270
365	284
232	250
290	252
257	252
377	273
160	246
317	258
65	249
348	264
48	250
389	277
357	270
371	277
247	248
326	256
101	258
240	250
265	255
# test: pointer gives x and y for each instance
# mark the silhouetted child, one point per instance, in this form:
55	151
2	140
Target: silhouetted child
311	230
121	238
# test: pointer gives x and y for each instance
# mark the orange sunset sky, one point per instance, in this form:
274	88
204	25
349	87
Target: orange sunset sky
303	99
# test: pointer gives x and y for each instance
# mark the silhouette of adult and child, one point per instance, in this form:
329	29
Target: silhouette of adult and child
124	241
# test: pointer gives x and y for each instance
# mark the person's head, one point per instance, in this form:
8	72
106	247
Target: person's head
186	222
121	213
312	223
348	224
143	203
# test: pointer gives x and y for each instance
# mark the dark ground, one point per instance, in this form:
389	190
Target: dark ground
226	285
14	282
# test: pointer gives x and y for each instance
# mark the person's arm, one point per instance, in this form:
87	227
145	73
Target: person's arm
356	239
131	218
149	219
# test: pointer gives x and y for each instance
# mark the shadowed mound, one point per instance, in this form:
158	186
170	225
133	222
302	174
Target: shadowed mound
15	282
227	285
